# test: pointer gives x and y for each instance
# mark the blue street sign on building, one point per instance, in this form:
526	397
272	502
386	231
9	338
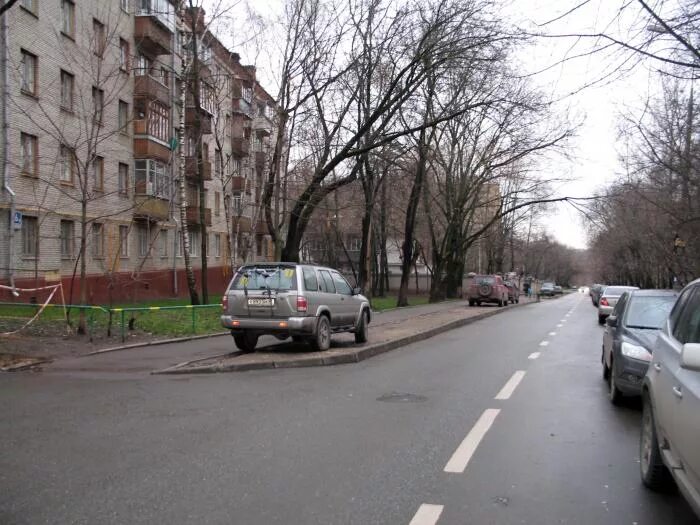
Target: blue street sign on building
17	220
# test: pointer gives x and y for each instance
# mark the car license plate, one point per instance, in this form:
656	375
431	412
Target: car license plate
260	301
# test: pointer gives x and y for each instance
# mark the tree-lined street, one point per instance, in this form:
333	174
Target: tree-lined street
362	443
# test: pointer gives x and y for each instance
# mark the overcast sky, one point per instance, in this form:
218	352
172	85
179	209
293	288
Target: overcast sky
594	155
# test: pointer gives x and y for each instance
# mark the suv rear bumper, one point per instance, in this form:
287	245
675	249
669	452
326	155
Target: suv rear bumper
290	325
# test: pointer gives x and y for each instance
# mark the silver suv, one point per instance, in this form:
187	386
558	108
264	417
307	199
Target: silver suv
305	302
671	397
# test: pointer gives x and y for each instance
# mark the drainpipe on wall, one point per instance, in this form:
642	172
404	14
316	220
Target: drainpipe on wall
4	61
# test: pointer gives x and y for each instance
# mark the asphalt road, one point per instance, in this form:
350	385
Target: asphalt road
471	427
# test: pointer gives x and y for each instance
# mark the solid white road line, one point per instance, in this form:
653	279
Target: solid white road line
544	343
533	355
511	385
552	333
427	514
458	461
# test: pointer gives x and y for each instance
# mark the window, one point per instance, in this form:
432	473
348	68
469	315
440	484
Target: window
143	65
164	76
159	121
67	239
98	240
354	244
217	244
28	72
341	285
123	55
326	282
687	330
125	5
217	203
248	94
123	180
98	173
310	281
161	9
30	236
67	81
100	37
218	168
123	241
98	101
151	178
236	167
28	154
194	242
143	241
237	204
123	116
29	5
68	18
67	165
179	251
163	243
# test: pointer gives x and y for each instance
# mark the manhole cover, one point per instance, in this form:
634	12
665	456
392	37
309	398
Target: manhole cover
402	397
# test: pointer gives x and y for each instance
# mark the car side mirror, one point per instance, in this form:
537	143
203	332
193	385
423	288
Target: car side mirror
357	290
611	321
690	356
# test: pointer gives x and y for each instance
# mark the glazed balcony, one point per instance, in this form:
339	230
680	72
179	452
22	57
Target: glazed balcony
204	119
262	126
240	146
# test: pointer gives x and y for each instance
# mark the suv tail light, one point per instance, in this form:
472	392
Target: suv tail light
224	302
604	302
302	303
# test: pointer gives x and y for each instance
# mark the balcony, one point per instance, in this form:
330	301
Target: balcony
204	119
193	215
240	146
145	86
146	146
240	184
260	158
242	107
151	36
191	168
241	224
151	208
262	126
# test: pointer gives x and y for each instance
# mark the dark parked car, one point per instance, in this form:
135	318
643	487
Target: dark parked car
305	302
513	292
629	337
671	402
547	289
488	289
558	290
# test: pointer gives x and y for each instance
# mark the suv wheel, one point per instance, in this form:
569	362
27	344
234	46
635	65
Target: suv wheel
361	332
245	341
653	471
322	339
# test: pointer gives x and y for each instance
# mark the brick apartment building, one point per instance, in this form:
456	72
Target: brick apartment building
90	108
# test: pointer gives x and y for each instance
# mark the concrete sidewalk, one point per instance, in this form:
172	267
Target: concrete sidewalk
388	330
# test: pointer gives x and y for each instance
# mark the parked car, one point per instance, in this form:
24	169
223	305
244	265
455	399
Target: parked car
629	337
547	289
595	292
558	290
609	299
305	302
488	289
671	402
513	291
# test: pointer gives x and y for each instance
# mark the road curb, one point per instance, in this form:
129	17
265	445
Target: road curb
154	343
354	356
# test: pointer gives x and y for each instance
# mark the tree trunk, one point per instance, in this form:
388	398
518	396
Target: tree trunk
83	268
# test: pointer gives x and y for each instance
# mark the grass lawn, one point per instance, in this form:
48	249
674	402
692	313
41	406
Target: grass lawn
386	303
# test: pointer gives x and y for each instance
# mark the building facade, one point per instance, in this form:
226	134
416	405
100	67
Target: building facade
92	104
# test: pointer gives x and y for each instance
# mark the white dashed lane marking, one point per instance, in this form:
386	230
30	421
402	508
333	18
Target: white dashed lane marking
427	514
559	325
459	460
544	343
533	355
511	385
552	333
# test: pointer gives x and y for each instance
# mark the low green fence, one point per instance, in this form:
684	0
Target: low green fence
172	321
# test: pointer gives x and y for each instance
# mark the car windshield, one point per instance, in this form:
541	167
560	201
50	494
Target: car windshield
649	312
484	279
617	291
262	277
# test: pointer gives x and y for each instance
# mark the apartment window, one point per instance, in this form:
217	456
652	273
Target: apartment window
123	55
67	239
237	204
161	9
98	102
67	81
98	173
218	168
159	121
143	241
143	65
236	167
100	36
125	5
248	94
68	17
179	251
123	116
217	203
151	178
123	179
217	244
30	236
98	240
163	243
123	241
164	76
194	242
28	73
67	165
29	5
28	154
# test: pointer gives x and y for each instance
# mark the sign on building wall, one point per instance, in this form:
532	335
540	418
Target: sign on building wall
17	220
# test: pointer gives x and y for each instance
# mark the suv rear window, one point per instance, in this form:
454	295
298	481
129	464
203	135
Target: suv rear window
278	278
484	279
